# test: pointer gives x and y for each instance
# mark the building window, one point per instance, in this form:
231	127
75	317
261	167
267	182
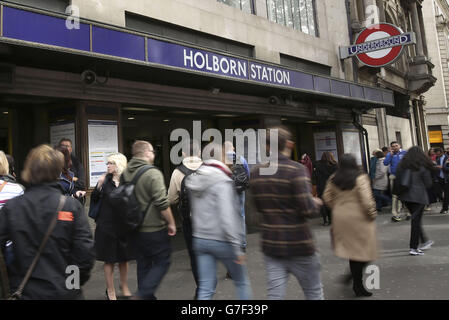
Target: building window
244	5
52	5
297	14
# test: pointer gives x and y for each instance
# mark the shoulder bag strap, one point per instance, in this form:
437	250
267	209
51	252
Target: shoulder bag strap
18	293
140	173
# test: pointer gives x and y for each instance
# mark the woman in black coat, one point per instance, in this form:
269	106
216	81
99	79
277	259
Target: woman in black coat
110	244
323	170
414	171
26	220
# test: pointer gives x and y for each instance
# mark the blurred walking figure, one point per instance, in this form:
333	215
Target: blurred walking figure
26	219
393	159
240	175
76	166
348	193
111	245
415	196
66	178
8	189
178	195
442	176
432	155
432	192
217	225
153	247
307	162
323	170
380	181
285	201
12	171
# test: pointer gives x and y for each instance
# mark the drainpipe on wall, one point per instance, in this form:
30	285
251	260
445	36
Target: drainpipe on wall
351	40
365	146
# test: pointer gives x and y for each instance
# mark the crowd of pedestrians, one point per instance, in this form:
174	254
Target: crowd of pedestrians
44	228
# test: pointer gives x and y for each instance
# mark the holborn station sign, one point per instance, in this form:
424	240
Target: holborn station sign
378	45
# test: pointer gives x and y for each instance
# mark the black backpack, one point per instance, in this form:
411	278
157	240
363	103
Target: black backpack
125	203
240	177
184	203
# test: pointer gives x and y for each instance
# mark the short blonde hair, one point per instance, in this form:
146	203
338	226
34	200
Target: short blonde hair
120	161
43	164
4	165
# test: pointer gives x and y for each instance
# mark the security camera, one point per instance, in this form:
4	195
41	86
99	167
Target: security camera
274	100
88	77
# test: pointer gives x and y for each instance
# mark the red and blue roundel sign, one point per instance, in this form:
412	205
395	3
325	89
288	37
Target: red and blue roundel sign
378	45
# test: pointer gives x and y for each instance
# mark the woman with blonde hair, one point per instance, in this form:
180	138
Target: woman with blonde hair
111	244
8	188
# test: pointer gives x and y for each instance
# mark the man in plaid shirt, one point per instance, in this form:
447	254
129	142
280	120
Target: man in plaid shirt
285	200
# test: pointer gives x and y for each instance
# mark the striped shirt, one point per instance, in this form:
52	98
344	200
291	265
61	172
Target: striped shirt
284	201
10	190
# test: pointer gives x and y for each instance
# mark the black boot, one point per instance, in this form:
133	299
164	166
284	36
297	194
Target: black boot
357	277
360	291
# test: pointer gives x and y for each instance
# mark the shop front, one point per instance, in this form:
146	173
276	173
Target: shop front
104	87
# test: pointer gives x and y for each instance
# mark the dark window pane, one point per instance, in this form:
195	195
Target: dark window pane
53	5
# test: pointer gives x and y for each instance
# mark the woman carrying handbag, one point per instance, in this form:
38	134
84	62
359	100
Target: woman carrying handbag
111	245
415	176
348	193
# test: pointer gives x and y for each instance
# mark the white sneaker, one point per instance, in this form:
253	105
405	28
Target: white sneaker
426	245
416	252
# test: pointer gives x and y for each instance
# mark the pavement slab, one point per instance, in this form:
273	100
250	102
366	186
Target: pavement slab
401	276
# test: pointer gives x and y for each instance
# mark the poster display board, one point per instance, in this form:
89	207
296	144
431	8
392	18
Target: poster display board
325	141
103	141
62	130
351	144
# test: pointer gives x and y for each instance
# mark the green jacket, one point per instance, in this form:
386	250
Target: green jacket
149	188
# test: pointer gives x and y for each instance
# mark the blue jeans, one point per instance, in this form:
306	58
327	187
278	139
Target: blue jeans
381	199
207	253
153	261
242	213
306	269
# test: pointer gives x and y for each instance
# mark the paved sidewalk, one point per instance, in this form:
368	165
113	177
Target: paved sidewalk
401	276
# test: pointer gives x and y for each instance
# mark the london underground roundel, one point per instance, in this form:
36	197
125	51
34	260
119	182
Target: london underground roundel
378	45
381	57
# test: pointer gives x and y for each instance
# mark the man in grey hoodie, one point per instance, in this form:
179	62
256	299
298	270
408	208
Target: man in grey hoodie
217	225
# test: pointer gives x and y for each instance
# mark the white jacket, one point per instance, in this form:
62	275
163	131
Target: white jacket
380	181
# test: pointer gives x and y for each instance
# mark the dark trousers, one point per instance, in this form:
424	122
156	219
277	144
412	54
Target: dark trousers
381	199
187	231
153	261
443	192
417	233
325	213
357	273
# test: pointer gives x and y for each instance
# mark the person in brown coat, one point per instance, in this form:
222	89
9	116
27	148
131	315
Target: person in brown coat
348	193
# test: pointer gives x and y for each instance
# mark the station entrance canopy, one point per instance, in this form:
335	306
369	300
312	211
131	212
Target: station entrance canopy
44	30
